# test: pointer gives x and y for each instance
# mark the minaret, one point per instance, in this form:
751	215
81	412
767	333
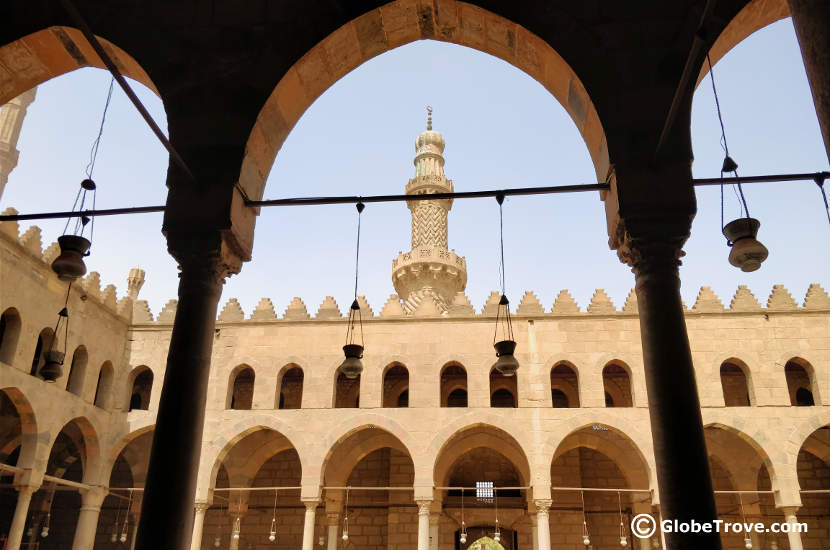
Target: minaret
11	120
429	270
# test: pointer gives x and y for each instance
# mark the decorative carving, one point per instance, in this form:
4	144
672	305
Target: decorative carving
393	307
92	284
630	305
141	312
296	311
205	260
491	306
31	240
134	282
329	309
365	311
264	311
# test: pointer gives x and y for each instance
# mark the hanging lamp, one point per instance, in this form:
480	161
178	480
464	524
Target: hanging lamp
497	534
53	357
44	532
503	340
74	246
124	526
623	537
463	536
352	366
747	539
345	535
746	252
586	537
272	535
237	527
114	536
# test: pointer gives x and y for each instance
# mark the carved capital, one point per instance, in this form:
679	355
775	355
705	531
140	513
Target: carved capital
543	505
204	258
202	507
423	507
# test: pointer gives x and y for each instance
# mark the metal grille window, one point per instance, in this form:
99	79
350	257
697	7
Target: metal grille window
484	491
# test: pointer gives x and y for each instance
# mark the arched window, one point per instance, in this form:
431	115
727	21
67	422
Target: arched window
453	386
617	385
9	335
141	386
733	381
241	395
44	340
291	388
77	372
564	386
503	390
395	384
347	392
800	385
103	388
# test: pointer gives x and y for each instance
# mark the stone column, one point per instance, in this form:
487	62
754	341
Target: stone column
534	531
334	525
676	425
87	525
543	523
198	525
308	524
434	521
811	19
166	521
423	524
21	511
794	538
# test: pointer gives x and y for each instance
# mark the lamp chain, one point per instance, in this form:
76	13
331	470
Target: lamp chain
500	200
725	147
360	206
820	182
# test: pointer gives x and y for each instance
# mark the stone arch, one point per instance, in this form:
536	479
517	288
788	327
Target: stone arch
290	381
615	444
240	395
395	385
617	383
398	23
77	371
800	375
346	391
736	383
504	390
10	326
741	453
28	436
139	388
263	434
46	54
472	436
813	474
103	387
754	16
85	436
453	378
564	378
352	447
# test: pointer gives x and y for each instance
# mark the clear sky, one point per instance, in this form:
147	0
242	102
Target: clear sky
502	129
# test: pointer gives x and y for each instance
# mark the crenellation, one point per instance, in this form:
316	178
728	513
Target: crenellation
428	307
51	253
780	299
31	240
232	312
296	311
491	306
461	306
12	229
630	305
816	298
744	300
365	309
92	284
264	311
601	303
707	301
109	298
530	305
141	312
168	312
329	310
392	307
564	303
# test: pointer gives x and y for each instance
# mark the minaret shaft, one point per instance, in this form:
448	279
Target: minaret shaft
11	121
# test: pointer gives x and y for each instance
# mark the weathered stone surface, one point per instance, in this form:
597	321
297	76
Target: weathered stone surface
564	303
461	306
365	309
816	298
427	308
10	228
232	312
707	301
530	305
744	300
630	305
781	299
329	309
168	312
31	240
141	312
264	311
393	307
92	284
491	306
601	303
296	311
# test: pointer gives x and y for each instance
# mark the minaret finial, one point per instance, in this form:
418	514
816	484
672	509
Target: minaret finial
429	117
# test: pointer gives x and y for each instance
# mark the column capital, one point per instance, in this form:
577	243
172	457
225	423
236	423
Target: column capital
26	488
311	504
201	506
203	257
423	507
333	518
543	505
93	497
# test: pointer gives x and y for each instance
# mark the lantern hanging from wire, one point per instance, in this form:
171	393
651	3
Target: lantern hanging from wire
74	245
53	357
44	532
497	534
623	537
125	525
463	536
503	340
352	366
746	252
272	535
345	535
586	537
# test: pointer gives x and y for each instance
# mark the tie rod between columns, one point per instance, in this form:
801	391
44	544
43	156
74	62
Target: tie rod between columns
816	177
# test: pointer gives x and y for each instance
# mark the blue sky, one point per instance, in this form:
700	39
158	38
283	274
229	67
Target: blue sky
502	129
